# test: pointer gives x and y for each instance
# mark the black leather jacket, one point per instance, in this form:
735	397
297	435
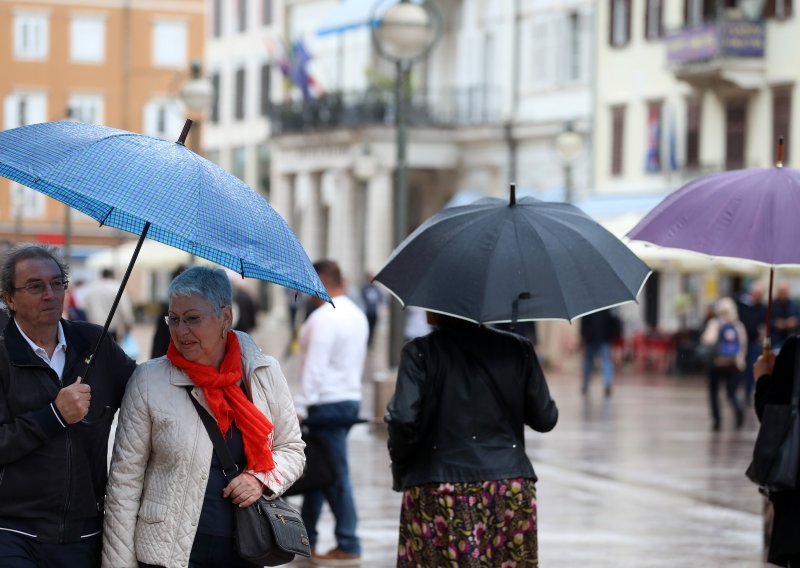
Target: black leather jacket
463	398
46	484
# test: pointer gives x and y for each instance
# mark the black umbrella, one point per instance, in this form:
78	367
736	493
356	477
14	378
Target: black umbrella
496	261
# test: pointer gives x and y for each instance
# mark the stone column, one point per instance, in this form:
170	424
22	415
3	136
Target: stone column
307	203
379	221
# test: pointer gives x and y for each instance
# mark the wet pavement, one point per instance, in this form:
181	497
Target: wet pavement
635	480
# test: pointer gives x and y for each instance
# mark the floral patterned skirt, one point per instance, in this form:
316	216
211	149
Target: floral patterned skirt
490	523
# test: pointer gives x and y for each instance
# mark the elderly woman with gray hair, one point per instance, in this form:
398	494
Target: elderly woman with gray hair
726	340
168	502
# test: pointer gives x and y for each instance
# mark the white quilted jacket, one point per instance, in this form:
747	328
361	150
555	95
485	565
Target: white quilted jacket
162	457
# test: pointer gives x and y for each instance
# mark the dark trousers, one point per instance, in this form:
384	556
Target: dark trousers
211	552
731	377
18	551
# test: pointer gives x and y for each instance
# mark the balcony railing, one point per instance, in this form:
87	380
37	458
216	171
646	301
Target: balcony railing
473	106
726	38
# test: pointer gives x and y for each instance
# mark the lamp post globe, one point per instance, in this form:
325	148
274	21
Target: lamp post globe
197	93
406	31
569	145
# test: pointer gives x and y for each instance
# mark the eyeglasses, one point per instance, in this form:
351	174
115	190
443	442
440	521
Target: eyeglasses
189	321
36	287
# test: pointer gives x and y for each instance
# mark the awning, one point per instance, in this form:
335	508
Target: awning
350	15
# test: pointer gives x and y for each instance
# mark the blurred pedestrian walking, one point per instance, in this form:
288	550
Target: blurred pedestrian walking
53	466
785	317
246	310
726	337
98	298
169	502
464	394
372	298
597	332
775	378
161	335
333	346
753	314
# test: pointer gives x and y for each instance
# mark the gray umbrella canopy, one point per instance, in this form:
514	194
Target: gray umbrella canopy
495	261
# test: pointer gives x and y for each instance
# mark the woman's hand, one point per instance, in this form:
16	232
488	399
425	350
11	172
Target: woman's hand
244	490
764	365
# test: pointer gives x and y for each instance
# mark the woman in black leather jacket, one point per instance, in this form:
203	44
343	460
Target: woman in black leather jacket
456	438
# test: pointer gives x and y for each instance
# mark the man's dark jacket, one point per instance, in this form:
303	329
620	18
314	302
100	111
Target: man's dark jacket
47	489
462	401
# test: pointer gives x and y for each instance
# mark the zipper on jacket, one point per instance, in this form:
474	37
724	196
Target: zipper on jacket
63	521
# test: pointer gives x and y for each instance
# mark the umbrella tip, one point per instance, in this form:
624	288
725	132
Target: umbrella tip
185	132
779	163
513	199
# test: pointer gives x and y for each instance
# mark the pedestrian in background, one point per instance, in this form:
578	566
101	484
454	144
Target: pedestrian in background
785	317
597	333
161	336
372	298
98	298
753	315
168	501
775	378
52	469
246	309
726	336
464	394
333	347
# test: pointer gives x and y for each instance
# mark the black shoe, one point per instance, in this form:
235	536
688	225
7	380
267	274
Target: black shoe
608	391
715	426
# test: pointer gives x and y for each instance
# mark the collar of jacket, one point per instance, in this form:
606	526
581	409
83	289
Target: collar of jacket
21	354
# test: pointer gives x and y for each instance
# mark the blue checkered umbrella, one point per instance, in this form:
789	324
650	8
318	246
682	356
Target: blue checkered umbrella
128	181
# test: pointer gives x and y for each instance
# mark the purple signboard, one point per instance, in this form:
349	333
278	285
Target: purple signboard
692	44
732	38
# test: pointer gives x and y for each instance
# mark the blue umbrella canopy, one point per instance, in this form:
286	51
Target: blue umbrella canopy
142	184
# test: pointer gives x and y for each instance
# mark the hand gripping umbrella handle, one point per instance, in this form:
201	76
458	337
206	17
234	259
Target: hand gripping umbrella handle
90	359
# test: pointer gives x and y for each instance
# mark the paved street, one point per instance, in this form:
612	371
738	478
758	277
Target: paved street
637	480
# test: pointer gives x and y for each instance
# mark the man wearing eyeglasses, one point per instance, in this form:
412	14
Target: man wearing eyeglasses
54	426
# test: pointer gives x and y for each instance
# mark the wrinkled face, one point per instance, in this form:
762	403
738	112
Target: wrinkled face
36	310
199	334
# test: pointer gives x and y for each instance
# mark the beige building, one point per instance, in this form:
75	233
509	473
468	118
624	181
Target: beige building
683	89
114	62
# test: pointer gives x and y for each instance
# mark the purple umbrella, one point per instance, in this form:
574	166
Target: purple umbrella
751	214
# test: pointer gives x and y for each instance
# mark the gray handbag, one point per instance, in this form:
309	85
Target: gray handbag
270	532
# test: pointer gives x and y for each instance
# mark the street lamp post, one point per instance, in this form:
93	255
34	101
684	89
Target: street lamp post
197	95
406	33
569	145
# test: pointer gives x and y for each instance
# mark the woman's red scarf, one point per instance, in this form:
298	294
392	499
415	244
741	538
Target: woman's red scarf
229	403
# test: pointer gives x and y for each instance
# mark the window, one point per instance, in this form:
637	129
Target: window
20	109
26	203
86	108
87	35
617	134
214	114
778	9
242	15
31	35
266	12
695	12
239	162
573	47
781	121
653	156
544	51
217	23
162	119
266	103
238	97
170	44
620	29
735	133
654	19
693	134
264	170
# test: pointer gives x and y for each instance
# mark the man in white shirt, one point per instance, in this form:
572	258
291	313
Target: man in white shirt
333	344
99	296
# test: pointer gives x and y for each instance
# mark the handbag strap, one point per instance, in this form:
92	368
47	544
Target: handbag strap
229	467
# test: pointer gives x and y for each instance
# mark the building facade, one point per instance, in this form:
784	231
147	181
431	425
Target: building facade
111	62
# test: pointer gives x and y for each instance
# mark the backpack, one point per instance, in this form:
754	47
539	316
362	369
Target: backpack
728	342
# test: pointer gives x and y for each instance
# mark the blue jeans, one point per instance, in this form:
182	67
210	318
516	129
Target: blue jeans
332	422
591	350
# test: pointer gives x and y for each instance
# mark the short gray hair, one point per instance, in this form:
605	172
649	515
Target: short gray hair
25	251
209	283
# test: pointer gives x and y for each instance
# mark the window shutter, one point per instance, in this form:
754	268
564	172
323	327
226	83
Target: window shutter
736	120
781	121
617	139
11	112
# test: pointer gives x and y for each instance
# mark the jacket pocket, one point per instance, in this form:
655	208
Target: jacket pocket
152	512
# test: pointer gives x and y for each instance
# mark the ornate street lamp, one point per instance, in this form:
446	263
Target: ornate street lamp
569	145
197	95
406	33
